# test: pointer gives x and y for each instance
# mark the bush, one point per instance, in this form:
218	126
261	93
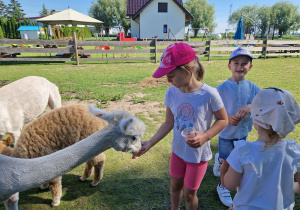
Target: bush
1	33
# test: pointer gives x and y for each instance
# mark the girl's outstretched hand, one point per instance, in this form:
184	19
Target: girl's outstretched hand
146	146
198	140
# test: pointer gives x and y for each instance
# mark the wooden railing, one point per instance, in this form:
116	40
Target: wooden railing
128	50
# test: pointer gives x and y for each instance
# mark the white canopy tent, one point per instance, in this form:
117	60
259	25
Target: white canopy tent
69	16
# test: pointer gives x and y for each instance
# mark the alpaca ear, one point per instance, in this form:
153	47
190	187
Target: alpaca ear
100	113
8	141
126	126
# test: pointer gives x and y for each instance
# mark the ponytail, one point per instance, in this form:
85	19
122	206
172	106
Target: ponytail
194	66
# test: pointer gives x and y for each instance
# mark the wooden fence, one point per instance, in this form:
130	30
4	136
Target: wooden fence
69	50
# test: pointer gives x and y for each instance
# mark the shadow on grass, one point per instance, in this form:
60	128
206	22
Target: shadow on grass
113	193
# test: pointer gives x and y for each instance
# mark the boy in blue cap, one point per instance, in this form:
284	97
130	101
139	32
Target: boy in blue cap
237	94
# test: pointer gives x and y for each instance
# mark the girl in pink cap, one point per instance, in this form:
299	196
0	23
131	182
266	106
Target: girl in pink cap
190	108
263	171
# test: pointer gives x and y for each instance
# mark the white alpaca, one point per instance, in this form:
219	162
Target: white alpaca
123	133
24	100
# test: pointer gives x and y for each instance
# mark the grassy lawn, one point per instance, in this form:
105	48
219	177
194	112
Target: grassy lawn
142	183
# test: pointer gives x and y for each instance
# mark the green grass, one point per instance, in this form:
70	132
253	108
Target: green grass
142	183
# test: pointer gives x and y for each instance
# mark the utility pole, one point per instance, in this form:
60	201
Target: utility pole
227	20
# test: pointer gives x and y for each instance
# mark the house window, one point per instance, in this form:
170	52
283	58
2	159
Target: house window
162	7
165	28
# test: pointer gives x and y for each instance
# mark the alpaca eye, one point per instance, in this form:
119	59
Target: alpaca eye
133	138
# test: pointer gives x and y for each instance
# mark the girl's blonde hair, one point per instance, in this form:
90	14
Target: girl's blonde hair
194	66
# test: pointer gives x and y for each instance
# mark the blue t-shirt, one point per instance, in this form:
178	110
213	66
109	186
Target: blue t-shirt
236	95
192	110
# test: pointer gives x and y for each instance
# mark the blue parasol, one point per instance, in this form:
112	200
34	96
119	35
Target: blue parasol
239	31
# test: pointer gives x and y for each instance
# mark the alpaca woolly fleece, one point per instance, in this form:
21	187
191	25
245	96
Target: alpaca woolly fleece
23	101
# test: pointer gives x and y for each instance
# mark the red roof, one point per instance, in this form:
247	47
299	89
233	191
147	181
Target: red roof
134	7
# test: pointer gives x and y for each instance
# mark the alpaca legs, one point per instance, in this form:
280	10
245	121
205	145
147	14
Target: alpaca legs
98	170
16	135
44	186
87	170
12	202
56	191
54	100
98	163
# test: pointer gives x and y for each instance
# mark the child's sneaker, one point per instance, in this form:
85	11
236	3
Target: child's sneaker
224	195
217	165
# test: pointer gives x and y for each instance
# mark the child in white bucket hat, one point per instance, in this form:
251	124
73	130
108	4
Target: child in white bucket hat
263	171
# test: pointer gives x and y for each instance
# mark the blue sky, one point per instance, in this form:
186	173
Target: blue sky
222	7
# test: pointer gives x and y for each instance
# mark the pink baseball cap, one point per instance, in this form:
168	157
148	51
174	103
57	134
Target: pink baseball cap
174	55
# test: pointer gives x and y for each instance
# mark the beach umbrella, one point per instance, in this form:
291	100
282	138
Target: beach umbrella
69	16
239	31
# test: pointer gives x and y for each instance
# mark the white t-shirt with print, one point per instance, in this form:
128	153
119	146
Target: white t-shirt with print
268	176
192	109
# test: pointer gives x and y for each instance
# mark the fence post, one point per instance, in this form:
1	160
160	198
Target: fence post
266	45
76	50
155	43
209	45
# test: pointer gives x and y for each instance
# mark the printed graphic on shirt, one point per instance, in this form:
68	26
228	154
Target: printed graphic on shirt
185	116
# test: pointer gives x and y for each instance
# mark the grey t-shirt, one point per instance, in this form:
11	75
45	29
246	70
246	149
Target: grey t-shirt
192	109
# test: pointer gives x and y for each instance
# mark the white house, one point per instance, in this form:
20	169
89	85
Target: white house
162	18
31	32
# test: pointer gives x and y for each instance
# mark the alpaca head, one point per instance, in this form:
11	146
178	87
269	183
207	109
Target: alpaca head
128	129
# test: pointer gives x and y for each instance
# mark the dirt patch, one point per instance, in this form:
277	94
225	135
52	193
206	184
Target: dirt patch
152	82
126	104
149	109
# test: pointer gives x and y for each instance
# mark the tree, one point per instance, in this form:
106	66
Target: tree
18	33
121	15
204	14
105	11
1	33
3	10
2	25
285	17
9	33
14	28
264	19
14	9
44	11
26	22
250	18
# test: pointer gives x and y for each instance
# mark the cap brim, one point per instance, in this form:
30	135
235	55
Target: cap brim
160	72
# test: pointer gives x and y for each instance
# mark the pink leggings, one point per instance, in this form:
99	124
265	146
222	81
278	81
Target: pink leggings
192	173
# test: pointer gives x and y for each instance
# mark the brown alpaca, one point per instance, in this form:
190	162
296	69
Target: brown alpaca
57	130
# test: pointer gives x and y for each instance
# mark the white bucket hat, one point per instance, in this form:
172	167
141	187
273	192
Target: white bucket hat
277	109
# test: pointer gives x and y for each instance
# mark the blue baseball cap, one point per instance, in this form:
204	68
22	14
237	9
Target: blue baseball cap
240	51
